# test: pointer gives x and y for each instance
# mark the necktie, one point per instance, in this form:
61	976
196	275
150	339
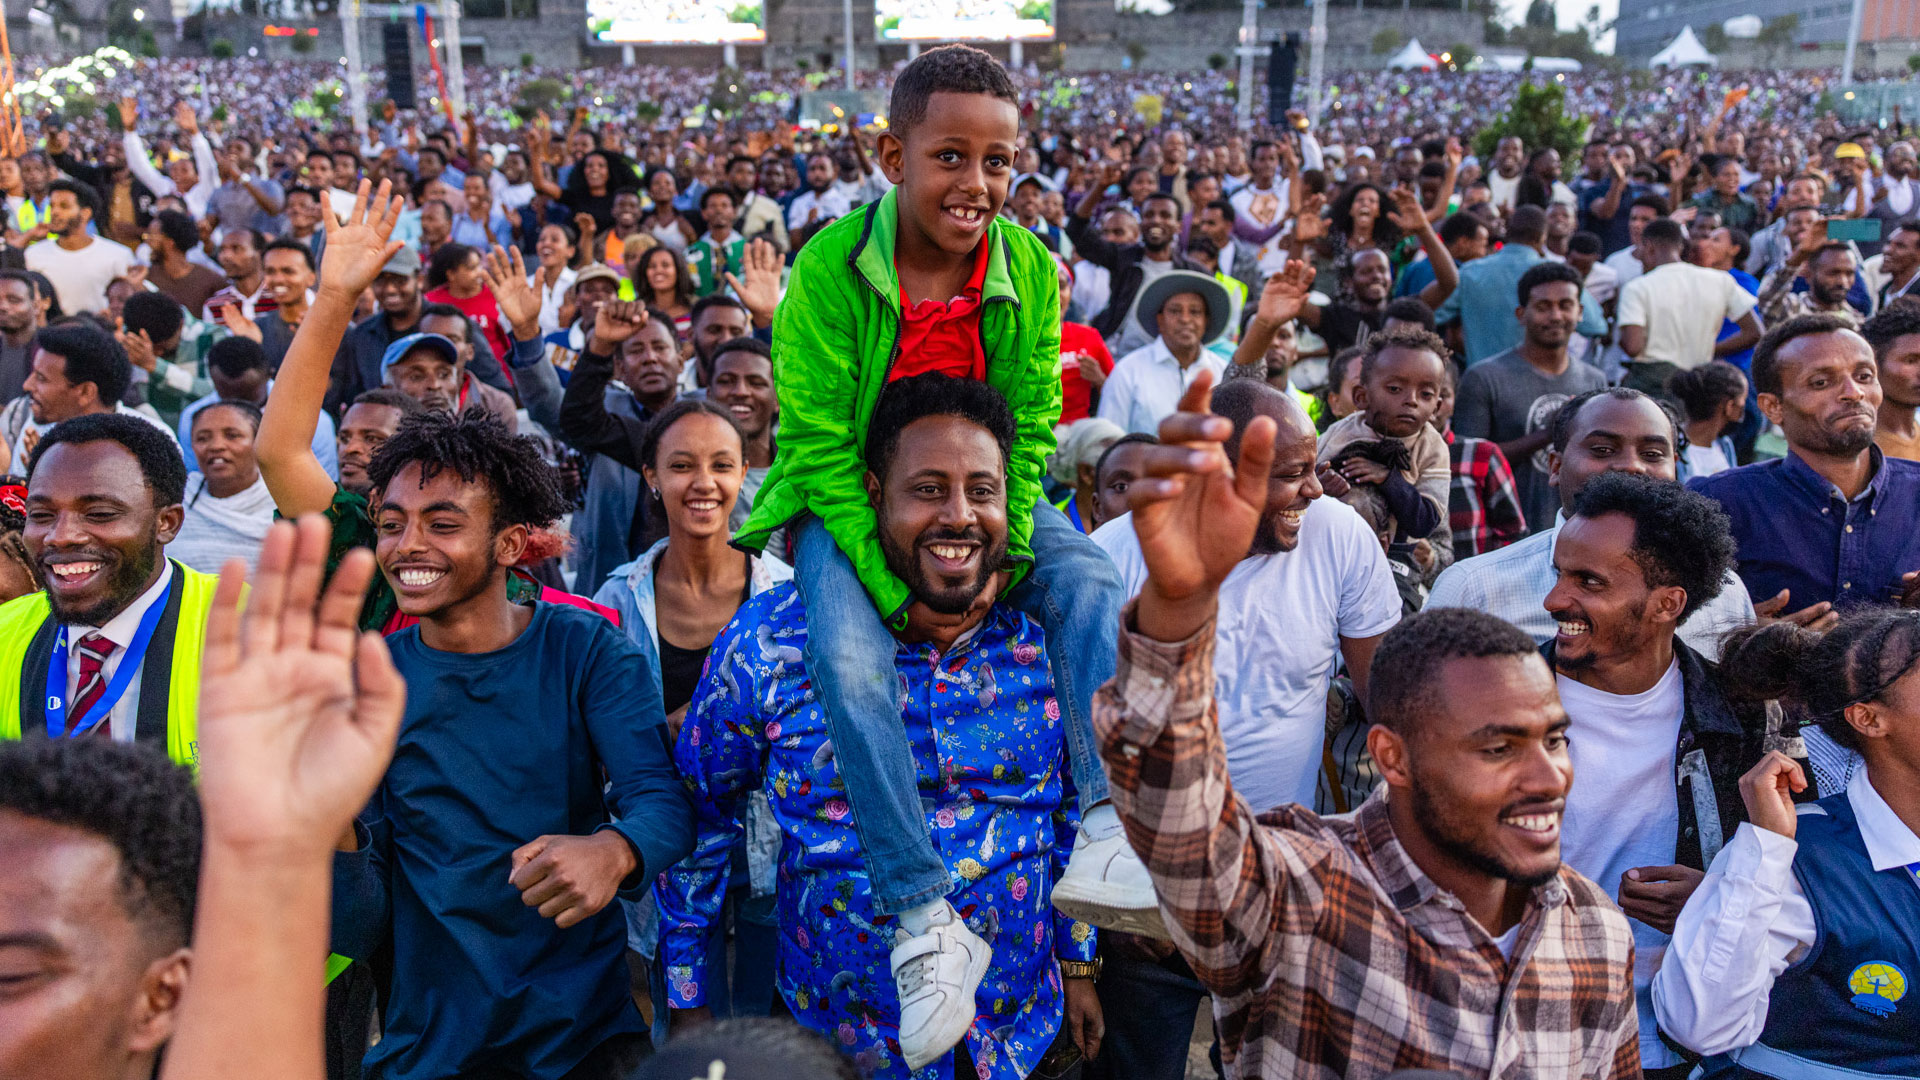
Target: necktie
94	651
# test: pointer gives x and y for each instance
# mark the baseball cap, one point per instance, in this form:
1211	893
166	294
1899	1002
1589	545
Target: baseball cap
595	272
1848	150
405	262
400	348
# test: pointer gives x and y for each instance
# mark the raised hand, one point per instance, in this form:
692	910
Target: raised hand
1768	790
1310	226
236	321
759	285
358	248
1406	212
1195	513
1285	293
614	323
298	709
183	117
507	276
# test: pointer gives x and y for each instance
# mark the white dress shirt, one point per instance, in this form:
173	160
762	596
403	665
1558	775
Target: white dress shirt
551	297
1146	385
120	630
1513	582
1749	921
831	204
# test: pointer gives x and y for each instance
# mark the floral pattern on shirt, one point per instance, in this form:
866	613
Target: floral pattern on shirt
990	757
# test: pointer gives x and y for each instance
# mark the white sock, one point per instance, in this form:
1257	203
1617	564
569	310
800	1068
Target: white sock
919	920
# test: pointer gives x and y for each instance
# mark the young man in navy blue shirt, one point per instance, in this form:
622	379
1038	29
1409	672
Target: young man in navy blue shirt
488	857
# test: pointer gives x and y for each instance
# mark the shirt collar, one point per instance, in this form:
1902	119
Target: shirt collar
122	627
1890	844
1805	475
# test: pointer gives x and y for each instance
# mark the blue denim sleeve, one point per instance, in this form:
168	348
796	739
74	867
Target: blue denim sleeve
629	730
362	893
721	754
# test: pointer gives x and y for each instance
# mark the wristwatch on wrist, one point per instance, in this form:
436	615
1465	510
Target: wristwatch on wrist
1080	969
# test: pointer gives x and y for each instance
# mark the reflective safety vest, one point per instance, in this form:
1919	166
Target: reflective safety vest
26	216
169	708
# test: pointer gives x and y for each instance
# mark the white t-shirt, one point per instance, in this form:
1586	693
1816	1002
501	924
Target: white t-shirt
1682	306
1707	460
1626	266
1277	642
1623	811
80	278
1505	191
1272	203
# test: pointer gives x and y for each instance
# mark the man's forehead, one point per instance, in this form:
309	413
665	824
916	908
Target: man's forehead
62	886
1840	348
1633	419
98	469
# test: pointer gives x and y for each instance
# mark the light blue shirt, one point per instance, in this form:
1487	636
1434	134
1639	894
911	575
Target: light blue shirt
1489	291
324	446
468	231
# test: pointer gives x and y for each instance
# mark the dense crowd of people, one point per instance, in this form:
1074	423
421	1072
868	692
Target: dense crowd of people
957	597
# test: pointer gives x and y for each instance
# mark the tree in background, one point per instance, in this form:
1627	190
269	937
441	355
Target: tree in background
1387	40
1538	116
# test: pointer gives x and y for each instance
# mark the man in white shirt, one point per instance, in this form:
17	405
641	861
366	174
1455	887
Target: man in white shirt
821	202
1657	746
1509	158
80	265
1630	261
1314	590
1263	201
193	179
1613	430
1186	309
1670	316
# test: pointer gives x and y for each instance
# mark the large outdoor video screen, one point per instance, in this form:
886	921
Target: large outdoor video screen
704	22
963	20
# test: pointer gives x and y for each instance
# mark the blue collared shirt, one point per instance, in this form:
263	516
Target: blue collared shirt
1489	291
1796	531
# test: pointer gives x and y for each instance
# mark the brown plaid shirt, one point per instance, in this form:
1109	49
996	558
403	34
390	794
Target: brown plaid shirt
1329	954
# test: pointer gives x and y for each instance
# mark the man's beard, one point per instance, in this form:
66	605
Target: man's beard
1266	538
131	576
1451	838
905	565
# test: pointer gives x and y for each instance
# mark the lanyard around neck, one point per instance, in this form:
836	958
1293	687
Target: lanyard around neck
130	662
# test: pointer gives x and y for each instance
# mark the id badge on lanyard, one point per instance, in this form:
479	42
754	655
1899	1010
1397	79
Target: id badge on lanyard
130	661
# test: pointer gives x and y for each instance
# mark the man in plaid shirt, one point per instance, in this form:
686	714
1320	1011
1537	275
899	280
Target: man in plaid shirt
1484	504
1435	927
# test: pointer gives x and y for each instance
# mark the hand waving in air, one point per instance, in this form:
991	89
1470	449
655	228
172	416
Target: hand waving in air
359	247
506	275
1285	293
758	287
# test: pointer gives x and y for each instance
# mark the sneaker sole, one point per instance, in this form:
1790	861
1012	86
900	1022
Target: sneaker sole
1110	908
948	1037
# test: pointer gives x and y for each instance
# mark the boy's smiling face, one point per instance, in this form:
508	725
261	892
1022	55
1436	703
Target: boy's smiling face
953	169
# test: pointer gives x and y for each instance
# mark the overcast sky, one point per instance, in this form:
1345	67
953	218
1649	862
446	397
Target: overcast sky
1571	12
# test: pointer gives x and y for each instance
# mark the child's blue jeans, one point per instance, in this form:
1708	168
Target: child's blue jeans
1073	592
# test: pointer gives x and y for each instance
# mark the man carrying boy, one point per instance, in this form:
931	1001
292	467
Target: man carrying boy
930	279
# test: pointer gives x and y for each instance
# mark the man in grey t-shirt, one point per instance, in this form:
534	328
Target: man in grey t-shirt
1510	397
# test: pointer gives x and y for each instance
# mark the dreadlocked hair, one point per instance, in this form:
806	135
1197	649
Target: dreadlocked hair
1817	676
476	446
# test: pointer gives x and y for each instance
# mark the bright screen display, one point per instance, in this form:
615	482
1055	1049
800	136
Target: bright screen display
963	20
703	22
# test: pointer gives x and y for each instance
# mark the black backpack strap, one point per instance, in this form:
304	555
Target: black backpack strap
156	670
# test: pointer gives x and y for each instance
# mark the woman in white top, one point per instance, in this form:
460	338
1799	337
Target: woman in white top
1715	397
556	248
667	224
228	508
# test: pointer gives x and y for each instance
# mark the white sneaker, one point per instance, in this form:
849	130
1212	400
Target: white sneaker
937	974
1106	884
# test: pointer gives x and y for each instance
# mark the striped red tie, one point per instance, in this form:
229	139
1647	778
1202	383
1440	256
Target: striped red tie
94	651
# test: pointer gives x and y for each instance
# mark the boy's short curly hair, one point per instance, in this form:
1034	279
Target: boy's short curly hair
476	446
950	69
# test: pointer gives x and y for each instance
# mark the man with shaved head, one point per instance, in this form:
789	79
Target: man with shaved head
1313	590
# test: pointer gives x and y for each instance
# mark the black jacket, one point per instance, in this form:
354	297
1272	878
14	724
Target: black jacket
1720	739
1121	262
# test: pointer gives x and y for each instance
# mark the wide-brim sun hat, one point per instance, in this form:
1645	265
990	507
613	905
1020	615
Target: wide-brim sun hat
1157	292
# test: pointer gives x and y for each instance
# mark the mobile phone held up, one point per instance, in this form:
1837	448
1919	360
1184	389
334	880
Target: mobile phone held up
1857	230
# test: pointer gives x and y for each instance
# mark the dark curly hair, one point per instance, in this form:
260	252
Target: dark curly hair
750	1048
1385	232
160	461
476	446
949	69
1766	355
1895	321
129	795
1817	676
1403	684
917	397
673	414
1680	537
1400	337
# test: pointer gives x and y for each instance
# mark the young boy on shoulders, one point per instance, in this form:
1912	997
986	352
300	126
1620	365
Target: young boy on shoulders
930	278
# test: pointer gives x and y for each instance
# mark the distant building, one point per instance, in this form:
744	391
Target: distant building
1646	26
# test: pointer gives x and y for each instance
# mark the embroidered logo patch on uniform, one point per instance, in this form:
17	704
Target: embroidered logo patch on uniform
1877	987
